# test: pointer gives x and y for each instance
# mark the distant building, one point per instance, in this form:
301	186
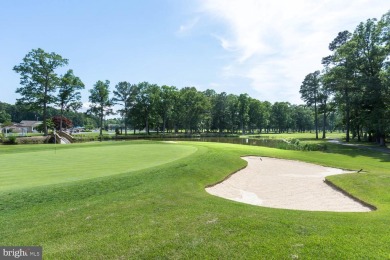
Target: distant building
30	125
21	128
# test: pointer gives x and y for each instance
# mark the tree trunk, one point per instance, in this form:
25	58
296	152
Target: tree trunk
101	127
147	123
44	118
347	115
62	112
101	123
316	118
164	122
45	107
323	127
358	133
381	134
382	141
125	122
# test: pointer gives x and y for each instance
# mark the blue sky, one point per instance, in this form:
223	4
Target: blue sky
263	48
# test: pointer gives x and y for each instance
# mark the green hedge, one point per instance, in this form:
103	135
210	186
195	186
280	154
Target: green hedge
33	140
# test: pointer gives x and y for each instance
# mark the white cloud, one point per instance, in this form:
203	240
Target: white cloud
276	43
226	44
188	26
85	106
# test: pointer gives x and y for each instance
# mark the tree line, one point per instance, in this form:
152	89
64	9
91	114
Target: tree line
355	80
169	109
351	92
144	105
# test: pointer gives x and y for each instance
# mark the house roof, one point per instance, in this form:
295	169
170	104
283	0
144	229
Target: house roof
27	123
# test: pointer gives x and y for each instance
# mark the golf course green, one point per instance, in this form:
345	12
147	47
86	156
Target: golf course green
147	200
51	165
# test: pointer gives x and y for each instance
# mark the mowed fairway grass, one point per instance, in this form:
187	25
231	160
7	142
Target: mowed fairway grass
110	207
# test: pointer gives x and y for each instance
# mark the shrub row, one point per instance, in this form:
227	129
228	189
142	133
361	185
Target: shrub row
25	140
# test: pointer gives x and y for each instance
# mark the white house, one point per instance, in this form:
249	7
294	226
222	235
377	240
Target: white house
30	125
22	128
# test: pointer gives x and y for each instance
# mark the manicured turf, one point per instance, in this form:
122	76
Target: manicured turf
164	211
301	136
24	168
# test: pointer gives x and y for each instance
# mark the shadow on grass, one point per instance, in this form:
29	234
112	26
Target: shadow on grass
359	150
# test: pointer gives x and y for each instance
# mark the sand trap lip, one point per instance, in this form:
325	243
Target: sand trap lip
286	184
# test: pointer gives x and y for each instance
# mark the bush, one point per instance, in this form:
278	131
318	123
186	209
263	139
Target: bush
10	140
49	125
34	140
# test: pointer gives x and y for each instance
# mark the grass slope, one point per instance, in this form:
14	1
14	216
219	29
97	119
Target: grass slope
164	212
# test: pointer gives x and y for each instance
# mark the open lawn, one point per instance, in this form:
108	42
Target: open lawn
122	210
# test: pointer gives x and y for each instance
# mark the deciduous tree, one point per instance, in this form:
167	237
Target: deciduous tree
243	109
124	95
39	80
100	102
165	105
69	96
310	93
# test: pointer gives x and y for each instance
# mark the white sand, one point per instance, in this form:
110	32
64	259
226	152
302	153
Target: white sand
286	184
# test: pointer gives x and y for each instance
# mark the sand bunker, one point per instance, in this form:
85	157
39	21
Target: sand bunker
286	184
